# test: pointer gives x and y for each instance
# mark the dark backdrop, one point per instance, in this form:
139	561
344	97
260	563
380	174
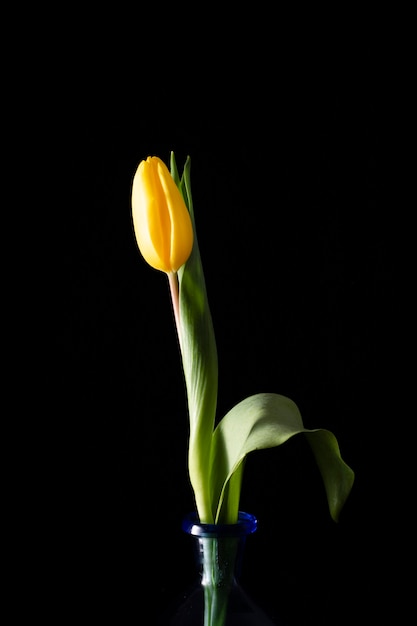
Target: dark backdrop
286	150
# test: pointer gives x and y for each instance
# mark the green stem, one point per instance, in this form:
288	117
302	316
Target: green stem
174	289
218	578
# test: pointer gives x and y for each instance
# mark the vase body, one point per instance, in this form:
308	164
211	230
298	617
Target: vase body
217	598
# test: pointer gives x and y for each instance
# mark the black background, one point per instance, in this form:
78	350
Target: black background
287	142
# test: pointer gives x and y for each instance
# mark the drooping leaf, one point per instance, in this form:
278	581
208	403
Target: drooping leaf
337	476
267	420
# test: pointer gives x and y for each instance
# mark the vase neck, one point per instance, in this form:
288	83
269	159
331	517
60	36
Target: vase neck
218	548
246	525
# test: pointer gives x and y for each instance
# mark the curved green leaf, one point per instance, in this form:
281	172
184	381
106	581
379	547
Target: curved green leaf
267	420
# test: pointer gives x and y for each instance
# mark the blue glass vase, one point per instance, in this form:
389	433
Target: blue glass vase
217	598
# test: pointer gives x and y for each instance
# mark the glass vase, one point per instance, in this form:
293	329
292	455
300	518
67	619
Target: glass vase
217	598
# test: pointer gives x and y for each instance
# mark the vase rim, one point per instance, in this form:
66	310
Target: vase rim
246	524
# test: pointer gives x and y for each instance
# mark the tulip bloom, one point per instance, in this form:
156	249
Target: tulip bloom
161	220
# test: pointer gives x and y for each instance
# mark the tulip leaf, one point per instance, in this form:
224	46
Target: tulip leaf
216	456
267	420
199	358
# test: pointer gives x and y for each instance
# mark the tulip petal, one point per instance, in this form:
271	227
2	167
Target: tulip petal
146	217
180	226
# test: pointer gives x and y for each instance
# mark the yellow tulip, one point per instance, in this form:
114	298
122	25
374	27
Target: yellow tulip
161	221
